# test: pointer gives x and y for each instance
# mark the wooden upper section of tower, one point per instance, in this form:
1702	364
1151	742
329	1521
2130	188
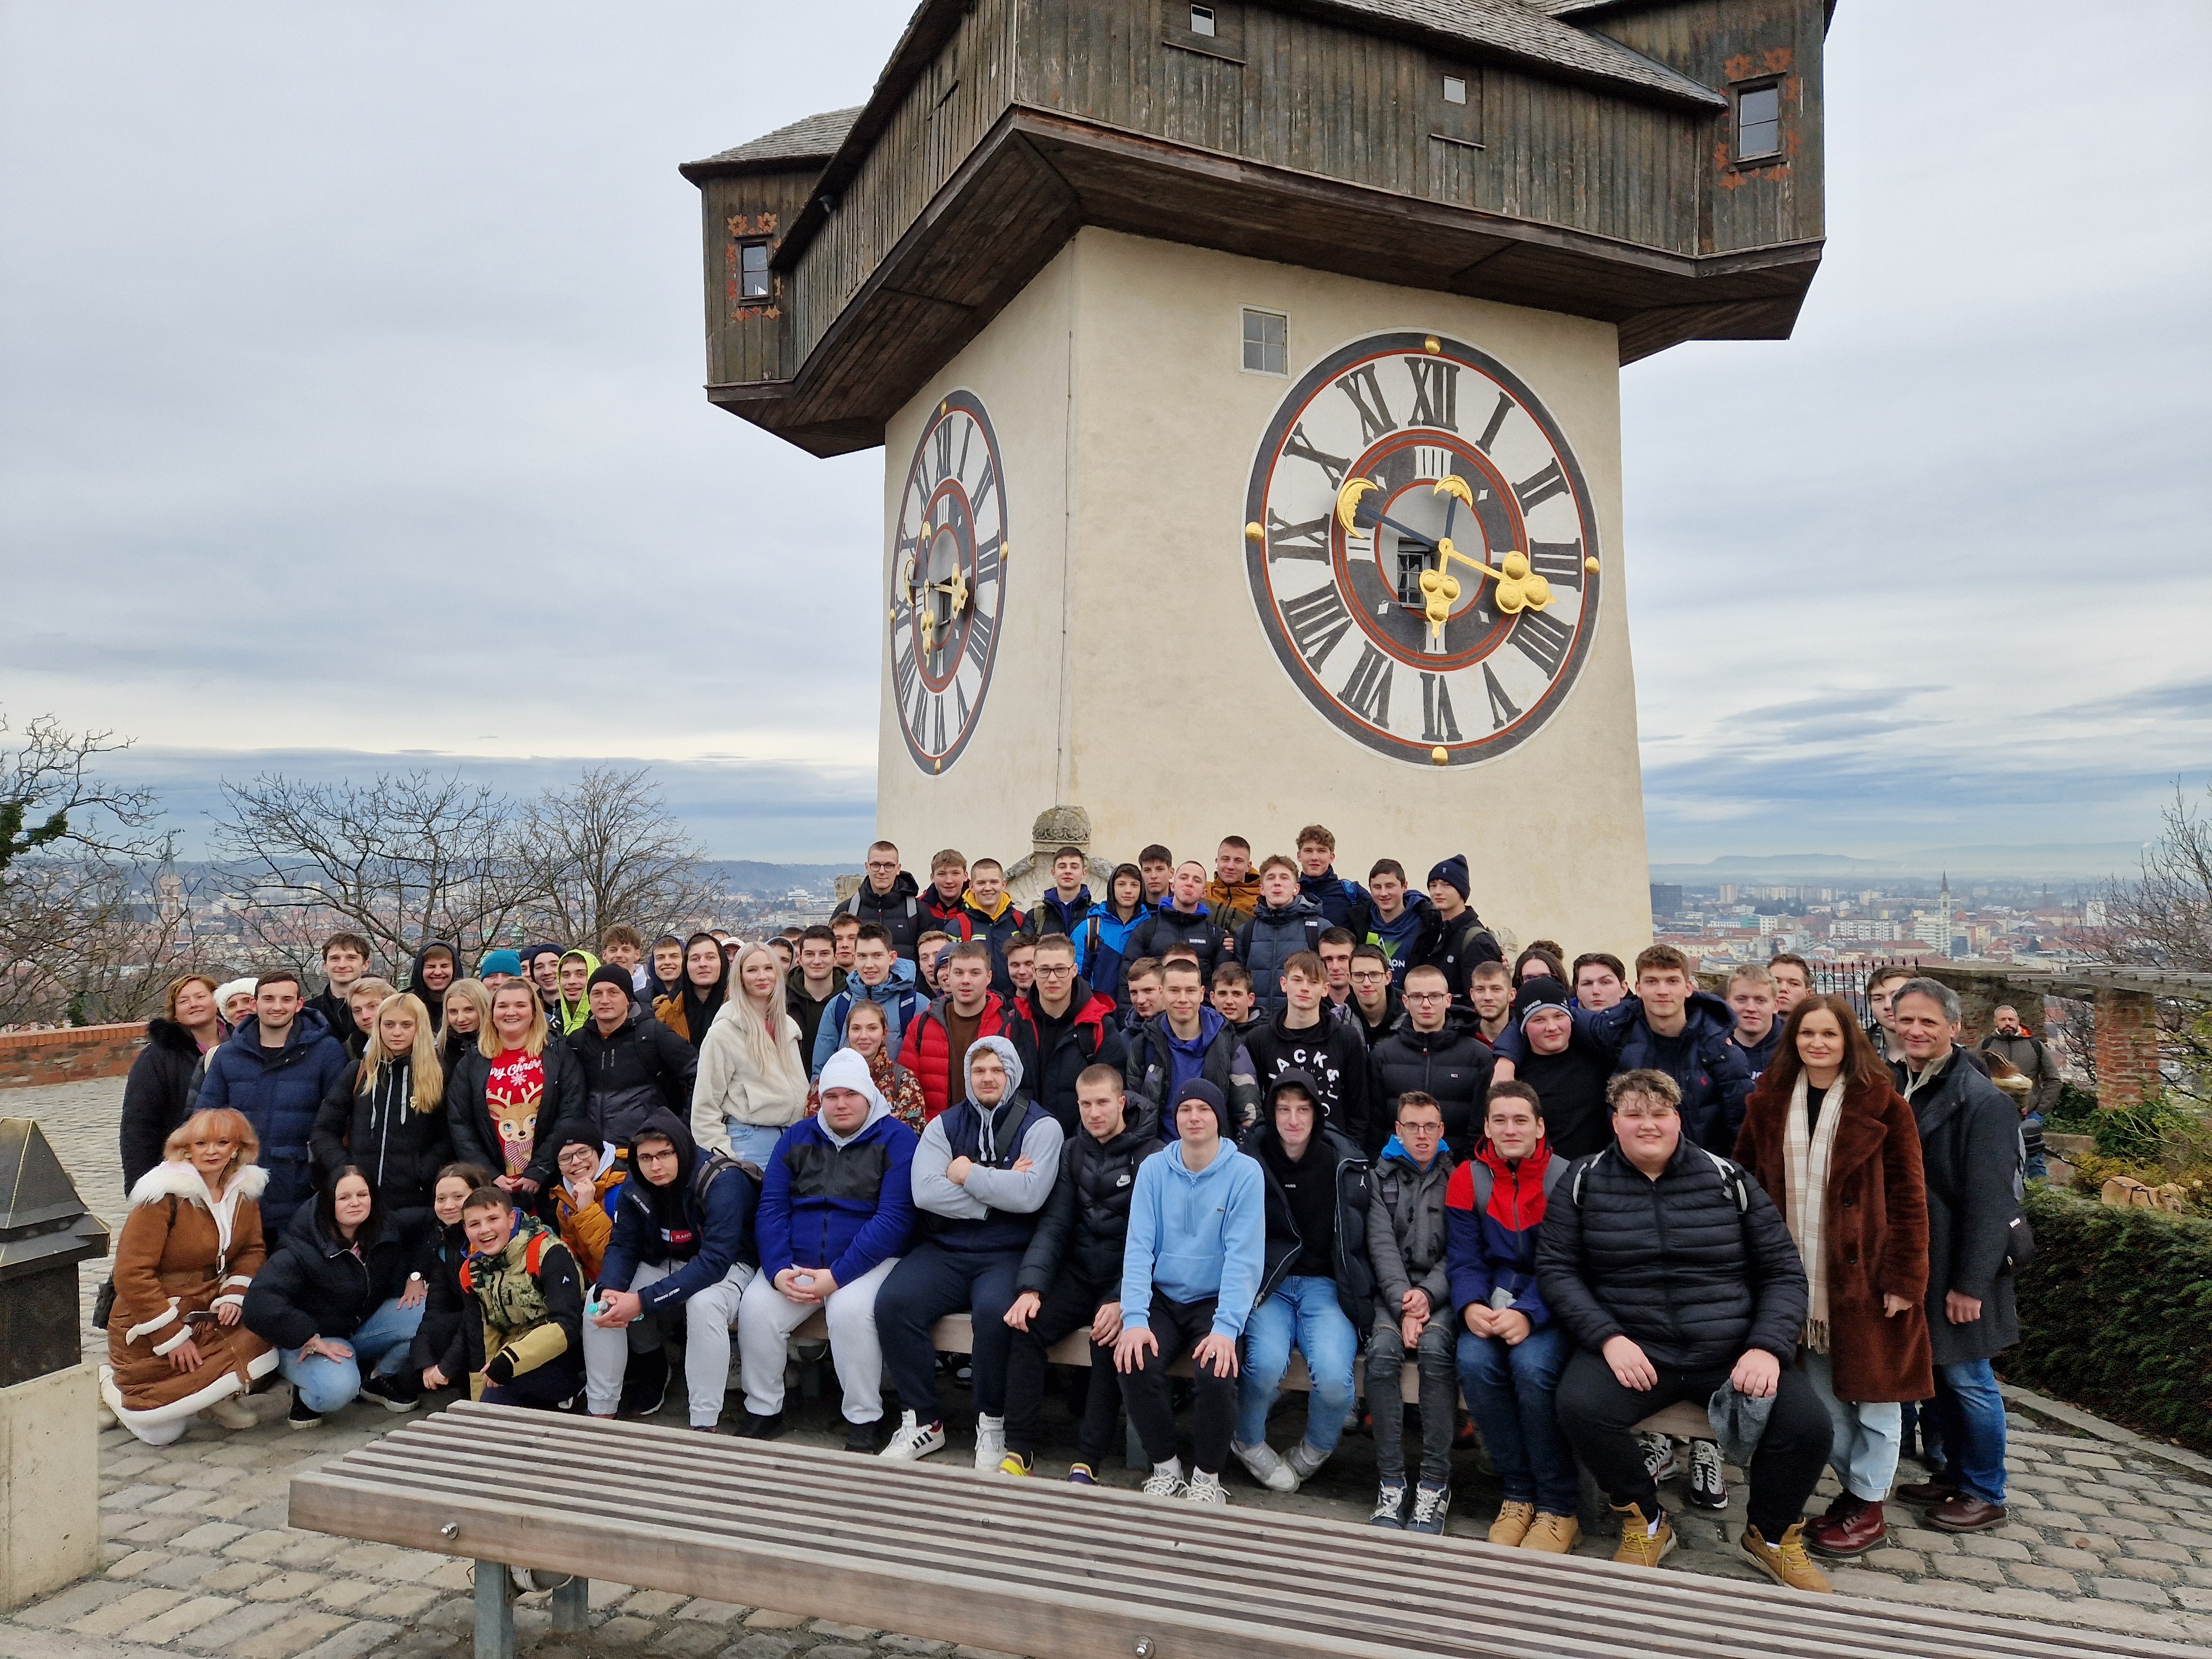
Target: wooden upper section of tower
1655	164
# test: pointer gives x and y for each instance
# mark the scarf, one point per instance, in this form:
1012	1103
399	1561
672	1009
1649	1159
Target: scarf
1805	1155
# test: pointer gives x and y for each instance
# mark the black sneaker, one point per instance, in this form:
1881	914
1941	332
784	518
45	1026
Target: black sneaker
645	1385
303	1415
392	1392
757	1427
866	1437
1708	1489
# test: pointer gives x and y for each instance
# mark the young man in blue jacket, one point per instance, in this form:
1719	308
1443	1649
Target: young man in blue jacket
277	1067
682	1239
1190	1269
836	1212
1511	1350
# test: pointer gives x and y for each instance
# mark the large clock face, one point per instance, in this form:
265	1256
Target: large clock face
948	581
1423	550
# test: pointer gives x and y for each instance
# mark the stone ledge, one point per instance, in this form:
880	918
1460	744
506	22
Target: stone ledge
68	1054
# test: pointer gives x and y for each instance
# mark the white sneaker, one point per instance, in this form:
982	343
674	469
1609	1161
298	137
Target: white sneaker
990	1443
232	1411
1659	1462
914	1440
1204	1488
1708	1486
1164	1481
1264	1467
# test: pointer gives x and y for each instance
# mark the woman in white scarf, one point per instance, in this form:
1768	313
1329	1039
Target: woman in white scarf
1829	1138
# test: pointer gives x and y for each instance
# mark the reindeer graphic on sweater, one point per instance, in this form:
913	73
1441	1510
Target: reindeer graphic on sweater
512	1094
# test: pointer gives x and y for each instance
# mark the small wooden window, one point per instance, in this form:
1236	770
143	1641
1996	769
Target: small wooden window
1759	121
754	280
1266	342
1454	104
1213	31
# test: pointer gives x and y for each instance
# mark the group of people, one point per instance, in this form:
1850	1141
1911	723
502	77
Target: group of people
1223	1116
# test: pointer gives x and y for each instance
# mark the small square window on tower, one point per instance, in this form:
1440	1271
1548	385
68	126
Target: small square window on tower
1201	20
1455	89
1758	122
1266	342
754	281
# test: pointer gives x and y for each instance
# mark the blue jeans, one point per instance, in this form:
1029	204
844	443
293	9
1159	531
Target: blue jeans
752	1144
379	1348
1971	1414
2030	1135
1510	1392
1304	1313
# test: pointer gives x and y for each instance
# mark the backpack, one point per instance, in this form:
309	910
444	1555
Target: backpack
1732	1179
532	1255
1486	1181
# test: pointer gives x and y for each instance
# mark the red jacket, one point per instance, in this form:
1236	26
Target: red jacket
926	1051
1091	1038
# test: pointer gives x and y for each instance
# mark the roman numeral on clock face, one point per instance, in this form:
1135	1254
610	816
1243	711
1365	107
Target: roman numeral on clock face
1436	392
1316	621
1502	714
987	561
1437	725
1365	391
1543	639
1298	445
1432	461
941	450
1367	693
1541	486
1560	563
1285	540
980	626
903	669
1498	411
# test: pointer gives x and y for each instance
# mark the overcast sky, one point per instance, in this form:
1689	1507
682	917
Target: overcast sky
349	411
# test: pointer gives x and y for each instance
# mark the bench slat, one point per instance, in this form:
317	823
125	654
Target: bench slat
779	1517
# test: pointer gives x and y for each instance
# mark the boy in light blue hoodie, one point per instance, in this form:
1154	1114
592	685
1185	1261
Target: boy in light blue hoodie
1197	1237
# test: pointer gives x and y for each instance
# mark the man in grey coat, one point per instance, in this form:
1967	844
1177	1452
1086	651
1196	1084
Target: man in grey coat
2032	1058
1405	1241
1971	1155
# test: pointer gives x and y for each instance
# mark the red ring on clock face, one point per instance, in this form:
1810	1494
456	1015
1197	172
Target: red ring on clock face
952	547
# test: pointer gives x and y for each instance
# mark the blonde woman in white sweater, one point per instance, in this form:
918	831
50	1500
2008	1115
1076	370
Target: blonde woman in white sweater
752	1083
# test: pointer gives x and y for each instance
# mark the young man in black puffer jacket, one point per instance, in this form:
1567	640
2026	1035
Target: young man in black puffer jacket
1071	1276
1677	1277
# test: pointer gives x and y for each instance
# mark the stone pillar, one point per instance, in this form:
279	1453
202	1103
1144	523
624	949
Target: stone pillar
2127	1046
49	1437
1057	827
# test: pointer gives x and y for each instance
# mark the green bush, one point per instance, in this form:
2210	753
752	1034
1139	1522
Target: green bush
2140	1134
2075	1114
2115	1315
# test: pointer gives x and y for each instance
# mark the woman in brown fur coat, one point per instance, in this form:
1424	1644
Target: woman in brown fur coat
1836	1147
190	1246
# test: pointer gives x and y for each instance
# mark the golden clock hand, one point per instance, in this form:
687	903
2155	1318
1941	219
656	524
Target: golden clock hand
1517	588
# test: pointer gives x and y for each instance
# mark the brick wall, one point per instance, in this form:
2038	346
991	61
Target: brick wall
65	1056
2127	1046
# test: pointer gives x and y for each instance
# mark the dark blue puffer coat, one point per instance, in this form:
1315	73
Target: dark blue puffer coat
280	1090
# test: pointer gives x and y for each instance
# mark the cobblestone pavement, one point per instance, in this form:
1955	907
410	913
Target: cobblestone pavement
198	1558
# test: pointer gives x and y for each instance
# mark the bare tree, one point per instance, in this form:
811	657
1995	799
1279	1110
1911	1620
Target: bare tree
2163	919
606	849
410	857
79	936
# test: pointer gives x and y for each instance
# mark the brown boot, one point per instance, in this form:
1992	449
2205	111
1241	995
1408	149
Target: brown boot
1966	1514
1512	1524
1786	1562
1553	1534
1847	1532
1928	1493
1639	1546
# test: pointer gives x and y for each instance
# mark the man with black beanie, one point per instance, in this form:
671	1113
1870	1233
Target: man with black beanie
1452	936
633	1065
1566	1069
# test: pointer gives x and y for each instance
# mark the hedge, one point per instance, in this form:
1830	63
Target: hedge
2116	1314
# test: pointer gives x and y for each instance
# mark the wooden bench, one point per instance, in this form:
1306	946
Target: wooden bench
1043	1569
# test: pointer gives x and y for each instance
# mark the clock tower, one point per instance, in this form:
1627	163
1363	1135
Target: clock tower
1247	377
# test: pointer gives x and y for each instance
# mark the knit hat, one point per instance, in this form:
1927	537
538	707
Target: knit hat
499	962
846	1069
1452	871
610	974
225	992
1199	1089
1539	992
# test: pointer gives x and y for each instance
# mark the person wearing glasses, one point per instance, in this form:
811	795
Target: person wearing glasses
890	898
1435	1051
1060	1027
1377	1004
